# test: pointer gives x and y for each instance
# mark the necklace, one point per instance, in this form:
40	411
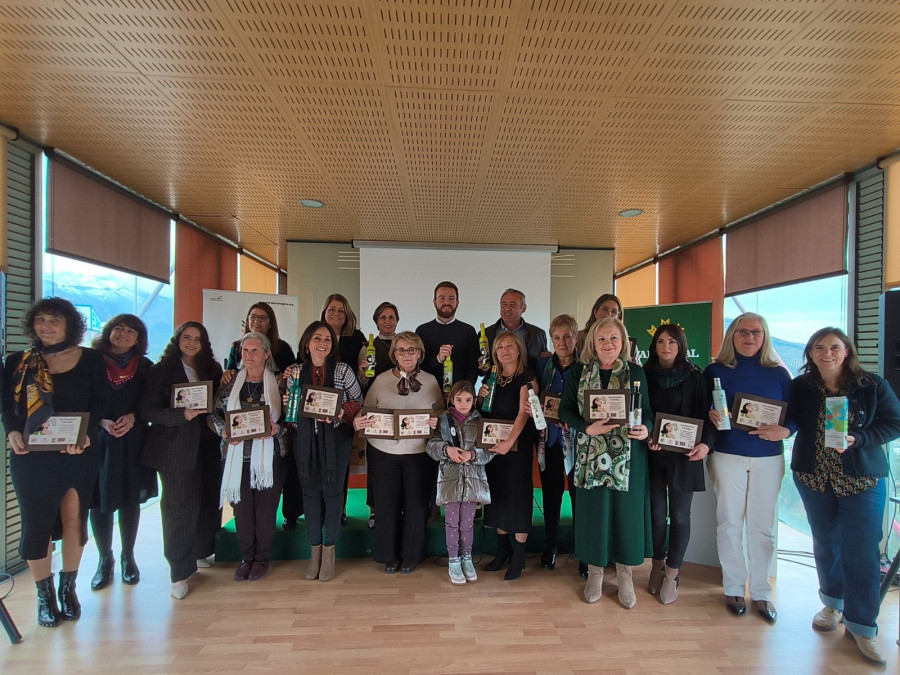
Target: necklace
252	392
503	380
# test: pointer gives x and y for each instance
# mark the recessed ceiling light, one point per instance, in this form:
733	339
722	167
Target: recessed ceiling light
630	213
312	203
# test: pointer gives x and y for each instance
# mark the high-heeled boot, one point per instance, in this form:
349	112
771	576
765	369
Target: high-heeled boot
657	574
315	563
103	575
593	589
130	572
326	572
47	611
516	562
504	553
624	579
69	607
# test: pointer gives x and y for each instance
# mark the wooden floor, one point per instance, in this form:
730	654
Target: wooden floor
365	621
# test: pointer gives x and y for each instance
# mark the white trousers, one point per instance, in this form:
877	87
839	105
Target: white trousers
746	494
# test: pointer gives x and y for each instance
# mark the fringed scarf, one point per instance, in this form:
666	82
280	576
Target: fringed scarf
603	461
33	386
262	450
120	368
316	440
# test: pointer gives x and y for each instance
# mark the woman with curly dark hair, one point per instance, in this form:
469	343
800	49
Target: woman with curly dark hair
185	453
124	483
55	376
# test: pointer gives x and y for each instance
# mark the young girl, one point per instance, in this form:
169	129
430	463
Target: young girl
462	481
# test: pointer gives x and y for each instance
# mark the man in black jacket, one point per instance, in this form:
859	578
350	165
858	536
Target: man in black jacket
512	307
448	336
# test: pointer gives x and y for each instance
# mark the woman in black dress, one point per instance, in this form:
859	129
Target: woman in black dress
54	489
124	483
509	476
185	452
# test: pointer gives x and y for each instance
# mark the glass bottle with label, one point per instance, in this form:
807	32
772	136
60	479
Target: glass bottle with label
635	414
484	348
720	405
537	413
491	383
370	357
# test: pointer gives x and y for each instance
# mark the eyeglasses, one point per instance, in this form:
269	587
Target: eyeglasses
404	351
262	318
756	333
608	311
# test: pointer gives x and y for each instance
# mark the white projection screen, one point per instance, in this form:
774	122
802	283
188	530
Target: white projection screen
407	277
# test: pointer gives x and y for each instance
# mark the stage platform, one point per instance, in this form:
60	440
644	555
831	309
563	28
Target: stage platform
356	538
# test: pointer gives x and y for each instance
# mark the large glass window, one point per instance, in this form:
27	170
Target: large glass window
794	312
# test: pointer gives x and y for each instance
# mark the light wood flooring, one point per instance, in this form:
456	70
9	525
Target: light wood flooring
365	621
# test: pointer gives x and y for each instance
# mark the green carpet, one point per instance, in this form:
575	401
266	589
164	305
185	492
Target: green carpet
356	538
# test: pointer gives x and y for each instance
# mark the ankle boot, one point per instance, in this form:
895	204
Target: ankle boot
504	553
69	607
326	572
593	589
625	581
516	562
103	575
47	611
669	592
130	572
657	574
315	562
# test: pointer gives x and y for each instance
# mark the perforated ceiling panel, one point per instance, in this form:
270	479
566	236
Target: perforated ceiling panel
472	121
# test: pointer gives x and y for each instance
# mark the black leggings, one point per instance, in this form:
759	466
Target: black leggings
102	527
669	504
553	485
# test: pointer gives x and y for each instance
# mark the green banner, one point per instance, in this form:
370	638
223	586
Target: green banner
695	318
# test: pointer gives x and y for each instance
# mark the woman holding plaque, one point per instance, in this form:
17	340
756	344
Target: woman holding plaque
612	521
124	483
401	472
185	453
54	487
555	447
254	468
841	480
509	474
748	466
676	387
322	444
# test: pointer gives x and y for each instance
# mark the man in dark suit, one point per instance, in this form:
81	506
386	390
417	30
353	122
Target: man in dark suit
512	307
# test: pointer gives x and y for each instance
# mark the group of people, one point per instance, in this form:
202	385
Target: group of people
631	497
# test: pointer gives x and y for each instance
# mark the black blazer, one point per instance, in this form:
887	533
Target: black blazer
173	443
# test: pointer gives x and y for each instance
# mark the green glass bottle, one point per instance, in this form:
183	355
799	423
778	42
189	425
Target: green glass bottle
491	383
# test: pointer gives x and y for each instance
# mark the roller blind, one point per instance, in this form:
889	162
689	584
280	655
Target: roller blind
804	240
638	288
257	278
94	221
200	262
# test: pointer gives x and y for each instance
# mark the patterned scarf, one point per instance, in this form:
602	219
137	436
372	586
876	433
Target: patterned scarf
120	368
568	438
32	375
408	382
603	461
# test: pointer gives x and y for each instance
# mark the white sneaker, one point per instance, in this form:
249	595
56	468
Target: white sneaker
456	574
827	619
468	568
179	589
205	563
867	648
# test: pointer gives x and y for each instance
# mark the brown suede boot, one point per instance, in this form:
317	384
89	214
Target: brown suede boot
326	572
669	592
593	589
657	574
315	562
625	581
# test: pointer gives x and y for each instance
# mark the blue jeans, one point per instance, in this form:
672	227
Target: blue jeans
846	533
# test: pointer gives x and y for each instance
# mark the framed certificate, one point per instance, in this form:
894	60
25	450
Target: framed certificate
491	432
320	402
193	395
58	432
679	434
550	404
383	426
248	423
750	412
608	405
412	423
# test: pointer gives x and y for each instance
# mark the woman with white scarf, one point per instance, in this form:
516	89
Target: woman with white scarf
254	470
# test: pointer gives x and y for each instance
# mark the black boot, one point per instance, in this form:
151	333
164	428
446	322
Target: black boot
103	575
130	572
504	553
47	611
517	562
69	607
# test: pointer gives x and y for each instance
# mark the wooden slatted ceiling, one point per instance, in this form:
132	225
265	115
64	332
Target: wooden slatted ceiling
475	121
